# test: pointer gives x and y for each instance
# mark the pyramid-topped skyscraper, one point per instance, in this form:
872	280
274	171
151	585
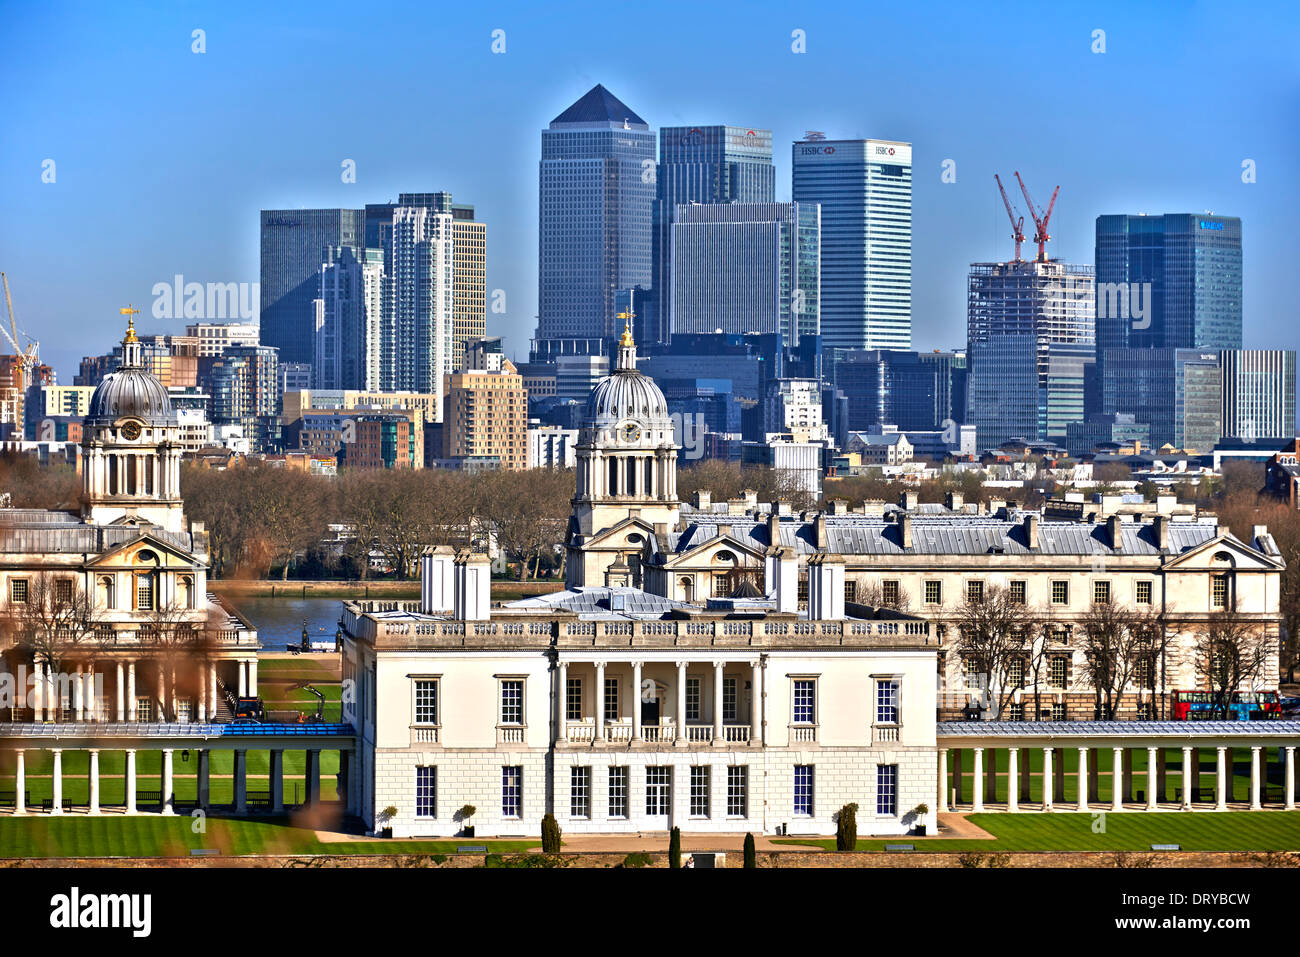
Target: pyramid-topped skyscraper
597	185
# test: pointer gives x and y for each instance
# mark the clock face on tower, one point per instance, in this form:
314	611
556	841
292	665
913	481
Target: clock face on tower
131	431
630	432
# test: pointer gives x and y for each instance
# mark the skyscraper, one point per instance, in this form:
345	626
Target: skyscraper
1258	393
418	302
596	181
745	267
1171	281
293	244
1177	392
700	164
347	341
865	191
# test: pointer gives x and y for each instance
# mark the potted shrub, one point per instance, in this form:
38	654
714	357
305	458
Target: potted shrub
385	816
463	815
918	813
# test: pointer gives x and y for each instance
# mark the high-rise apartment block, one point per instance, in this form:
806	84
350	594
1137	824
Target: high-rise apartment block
486	415
418	301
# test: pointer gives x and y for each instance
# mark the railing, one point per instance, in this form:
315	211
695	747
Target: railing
736	733
886	735
423	734
510	735
580	733
619	732
803	734
699	733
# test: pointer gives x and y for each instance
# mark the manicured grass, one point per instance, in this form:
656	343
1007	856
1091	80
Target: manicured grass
1126	831
299	668
148	836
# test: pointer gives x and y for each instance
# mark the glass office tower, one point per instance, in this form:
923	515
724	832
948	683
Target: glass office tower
294	245
864	188
745	267
700	164
597	184
1178	392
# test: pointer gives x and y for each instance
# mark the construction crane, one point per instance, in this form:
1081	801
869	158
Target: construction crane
24	358
1017	224
1041	235
24	361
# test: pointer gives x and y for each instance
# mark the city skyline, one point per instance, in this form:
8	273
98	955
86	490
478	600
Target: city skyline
194	215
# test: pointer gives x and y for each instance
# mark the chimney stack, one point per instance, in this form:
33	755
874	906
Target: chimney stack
1160	528
819	528
826	588
436	575
781	578
905	529
773	527
703	500
1031	530
956	501
473	586
908	500
1113	524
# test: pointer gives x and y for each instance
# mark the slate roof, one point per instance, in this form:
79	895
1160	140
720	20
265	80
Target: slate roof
35	531
603	602
956	535
1052	729
598	105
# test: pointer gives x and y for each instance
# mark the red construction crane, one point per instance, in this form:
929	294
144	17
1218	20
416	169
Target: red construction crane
1041	235
1017	225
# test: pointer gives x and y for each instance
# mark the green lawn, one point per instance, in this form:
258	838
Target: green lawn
1126	831
147	836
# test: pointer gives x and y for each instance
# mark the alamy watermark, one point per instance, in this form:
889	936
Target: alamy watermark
207	301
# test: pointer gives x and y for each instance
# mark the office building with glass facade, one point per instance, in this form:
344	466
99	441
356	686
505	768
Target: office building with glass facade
699	164
1177	392
745	267
1258	393
864	188
597	186
1003	390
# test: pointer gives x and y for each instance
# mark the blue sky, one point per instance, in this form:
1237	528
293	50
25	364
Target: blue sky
163	157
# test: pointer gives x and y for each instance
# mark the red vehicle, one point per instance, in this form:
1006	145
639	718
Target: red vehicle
1242	706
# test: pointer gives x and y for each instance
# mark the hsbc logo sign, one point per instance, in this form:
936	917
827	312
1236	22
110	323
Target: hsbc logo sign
816	150
884	151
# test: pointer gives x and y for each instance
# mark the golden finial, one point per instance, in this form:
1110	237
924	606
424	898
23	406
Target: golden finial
626	339
130	312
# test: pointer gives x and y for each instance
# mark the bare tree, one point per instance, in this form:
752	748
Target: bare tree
875	596
1231	652
55	623
1118	644
994	630
181	646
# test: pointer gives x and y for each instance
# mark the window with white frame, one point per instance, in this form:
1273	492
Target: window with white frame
611	699
1016	672
1101	592
1142	592
512	792
1056	671
1058	711
1060	592
426	792
803	790
933	591
728	699
512	701
692	699
580	792
573	699
887	701
658	790
426	701
18	590
805	701
618	791
1017	711
737	790
700	790
886	790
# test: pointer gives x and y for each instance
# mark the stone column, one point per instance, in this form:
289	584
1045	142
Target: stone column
1254	779
943	780
1152	775
599	722
252	678
277	781
756	704
562	724
979	781
1013	783
130	781
204	795
75	693
241	781
1290	777
1083	779
89	700
243	678
121	692
957	777
636	701
1117	779
131	712
1047	779
160	692
58	781
202	697
718	738
212	688
94	781
1187	779
345	783
168	798
1221	781
682	739
20	782
313	777
1094	764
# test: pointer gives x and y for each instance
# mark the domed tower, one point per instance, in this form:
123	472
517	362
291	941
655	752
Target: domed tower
626	454
131	453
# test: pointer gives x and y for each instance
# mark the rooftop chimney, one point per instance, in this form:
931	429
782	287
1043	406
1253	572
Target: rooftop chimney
703	499
1160	528
905	530
1113	524
773	528
781	578
826	588
472	584
908	500
436	587
819	528
955	501
1031	530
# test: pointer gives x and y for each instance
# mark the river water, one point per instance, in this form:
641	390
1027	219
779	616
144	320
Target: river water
279	621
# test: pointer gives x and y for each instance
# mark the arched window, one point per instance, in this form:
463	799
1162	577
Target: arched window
631	476
613	477
186	596
687	585
107	591
112	475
